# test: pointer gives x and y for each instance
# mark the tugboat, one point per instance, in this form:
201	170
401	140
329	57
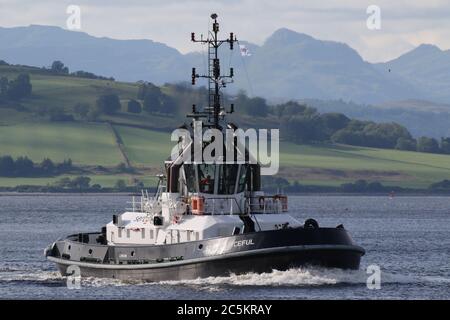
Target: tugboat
205	219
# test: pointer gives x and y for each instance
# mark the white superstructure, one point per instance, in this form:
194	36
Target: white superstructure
170	218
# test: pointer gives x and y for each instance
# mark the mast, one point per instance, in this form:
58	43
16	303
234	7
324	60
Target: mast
216	81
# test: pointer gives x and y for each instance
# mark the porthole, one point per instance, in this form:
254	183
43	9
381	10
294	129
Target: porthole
90	251
69	247
200	246
132	253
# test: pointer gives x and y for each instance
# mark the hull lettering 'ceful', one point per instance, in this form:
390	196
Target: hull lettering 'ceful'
244	243
207	218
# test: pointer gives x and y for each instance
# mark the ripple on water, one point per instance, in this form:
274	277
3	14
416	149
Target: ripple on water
406	236
296	277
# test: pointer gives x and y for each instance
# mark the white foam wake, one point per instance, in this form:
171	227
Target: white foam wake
311	276
30	275
292	277
298	277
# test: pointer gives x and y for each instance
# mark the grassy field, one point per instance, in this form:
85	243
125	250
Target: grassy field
64	91
145	147
336	163
85	144
94	144
25	133
103	180
81	90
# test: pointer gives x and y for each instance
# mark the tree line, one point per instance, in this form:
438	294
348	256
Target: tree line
83	183
278	184
150	98
303	124
15	89
58	67
25	167
299	123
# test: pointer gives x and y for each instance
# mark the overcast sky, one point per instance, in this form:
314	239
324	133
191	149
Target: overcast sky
404	24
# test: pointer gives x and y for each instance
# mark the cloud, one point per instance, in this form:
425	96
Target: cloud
405	24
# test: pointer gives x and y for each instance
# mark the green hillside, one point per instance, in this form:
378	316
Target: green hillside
85	144
90	144
334	164
145	147
65	91
94	144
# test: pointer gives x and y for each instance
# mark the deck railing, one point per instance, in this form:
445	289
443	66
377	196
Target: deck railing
267	204
223	205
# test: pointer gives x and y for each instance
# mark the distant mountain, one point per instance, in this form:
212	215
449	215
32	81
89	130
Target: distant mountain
127	60
288	65
295	65
427	68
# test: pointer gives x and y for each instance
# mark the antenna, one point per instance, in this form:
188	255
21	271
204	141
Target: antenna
216	81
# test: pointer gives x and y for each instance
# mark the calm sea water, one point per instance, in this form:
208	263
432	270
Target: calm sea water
407	237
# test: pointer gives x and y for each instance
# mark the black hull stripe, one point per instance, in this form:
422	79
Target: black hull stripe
356	249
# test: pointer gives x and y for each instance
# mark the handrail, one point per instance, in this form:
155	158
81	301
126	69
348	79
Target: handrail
232	199
277	204
274	206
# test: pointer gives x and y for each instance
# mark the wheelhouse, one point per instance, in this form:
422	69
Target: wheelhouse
216	179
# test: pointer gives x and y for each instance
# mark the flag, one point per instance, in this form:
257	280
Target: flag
244	51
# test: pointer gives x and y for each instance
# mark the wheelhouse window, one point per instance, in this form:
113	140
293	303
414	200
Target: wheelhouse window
206	176
243	178
227	178
189	171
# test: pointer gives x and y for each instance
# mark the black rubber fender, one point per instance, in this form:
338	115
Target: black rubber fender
311	224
